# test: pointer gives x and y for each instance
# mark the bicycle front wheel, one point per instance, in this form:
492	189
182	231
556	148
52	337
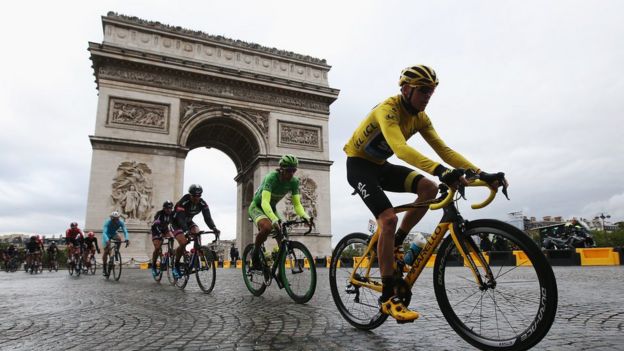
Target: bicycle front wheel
185	261
254	280
206	274
357	304
518	305
168	265
70	268
298	272
92	265
116	265
78	269
158	266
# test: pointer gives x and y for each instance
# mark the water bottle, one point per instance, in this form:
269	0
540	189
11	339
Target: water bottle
414	249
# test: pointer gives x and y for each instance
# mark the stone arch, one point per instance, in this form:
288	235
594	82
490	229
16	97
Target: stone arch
164	90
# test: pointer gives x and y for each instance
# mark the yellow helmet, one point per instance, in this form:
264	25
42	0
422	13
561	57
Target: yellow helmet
419	75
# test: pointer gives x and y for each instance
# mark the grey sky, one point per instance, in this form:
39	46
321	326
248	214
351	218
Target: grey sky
531	88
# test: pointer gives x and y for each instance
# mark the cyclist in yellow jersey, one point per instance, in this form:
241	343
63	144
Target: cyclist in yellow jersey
381	134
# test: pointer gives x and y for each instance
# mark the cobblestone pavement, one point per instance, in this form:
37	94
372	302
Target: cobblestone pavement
57	312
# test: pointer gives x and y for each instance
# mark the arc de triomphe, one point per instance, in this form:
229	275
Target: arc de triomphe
165	90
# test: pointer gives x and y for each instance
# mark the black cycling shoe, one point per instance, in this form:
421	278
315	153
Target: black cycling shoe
256	263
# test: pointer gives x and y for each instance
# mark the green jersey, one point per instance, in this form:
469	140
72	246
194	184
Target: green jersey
277	188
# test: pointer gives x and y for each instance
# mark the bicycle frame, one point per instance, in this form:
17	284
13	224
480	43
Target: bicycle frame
284	243
451	221
196	251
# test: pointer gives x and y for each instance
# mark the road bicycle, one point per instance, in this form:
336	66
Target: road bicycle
114	260
52	263
35	264
199	261
297	270
495	300
165	261
75	265
90	265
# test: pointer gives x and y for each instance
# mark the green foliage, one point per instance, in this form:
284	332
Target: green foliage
609	239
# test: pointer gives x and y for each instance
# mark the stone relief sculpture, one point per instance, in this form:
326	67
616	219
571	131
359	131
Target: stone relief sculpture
129	113
299	135
132	191
309	197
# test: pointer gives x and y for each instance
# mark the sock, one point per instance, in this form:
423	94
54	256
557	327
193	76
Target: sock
399	237
388	288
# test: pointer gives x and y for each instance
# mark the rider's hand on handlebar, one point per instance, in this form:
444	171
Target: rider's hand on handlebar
277	225
451	177
127	242
217	233
309	221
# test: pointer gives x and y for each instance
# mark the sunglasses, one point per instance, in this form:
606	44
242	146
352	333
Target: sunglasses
196	195
425	89
290	170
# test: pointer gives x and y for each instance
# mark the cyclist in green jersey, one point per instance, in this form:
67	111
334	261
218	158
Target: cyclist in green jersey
274	187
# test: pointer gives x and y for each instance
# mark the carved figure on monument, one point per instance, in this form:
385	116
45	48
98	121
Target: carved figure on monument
138	114
309	197
132	191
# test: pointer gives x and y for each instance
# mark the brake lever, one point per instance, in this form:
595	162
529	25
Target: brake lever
461	189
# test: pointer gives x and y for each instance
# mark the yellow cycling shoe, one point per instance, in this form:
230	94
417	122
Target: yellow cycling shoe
395	308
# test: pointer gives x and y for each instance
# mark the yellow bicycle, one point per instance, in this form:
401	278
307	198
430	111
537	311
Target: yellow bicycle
492	283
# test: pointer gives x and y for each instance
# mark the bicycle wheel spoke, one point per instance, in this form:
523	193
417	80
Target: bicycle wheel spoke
496	306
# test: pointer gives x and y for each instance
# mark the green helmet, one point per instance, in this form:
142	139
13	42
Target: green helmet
288	161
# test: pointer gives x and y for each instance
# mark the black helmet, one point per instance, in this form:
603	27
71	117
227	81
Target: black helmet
73	225
195	189
167	204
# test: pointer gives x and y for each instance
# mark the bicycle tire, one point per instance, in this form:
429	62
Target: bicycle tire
169	261
157	266
78	269
206	274
184	263
117	265
298	290
70	268
40	266
541	304
93	265
254	281
348	298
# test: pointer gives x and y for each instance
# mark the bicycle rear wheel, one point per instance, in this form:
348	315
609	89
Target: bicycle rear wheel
519	305
358	305
116	257
254	280
299	281
184	268
206	274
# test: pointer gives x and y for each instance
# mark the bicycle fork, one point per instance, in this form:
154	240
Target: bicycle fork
472	256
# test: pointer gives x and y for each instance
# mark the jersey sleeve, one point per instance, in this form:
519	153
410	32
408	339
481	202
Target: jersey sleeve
447	154
389	125
266	206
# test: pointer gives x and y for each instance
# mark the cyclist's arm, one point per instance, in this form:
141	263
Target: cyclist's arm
266	206
447	154
105	233
296	199
208	218
125	230
389	125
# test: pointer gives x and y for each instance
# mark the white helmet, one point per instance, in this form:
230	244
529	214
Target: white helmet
114	214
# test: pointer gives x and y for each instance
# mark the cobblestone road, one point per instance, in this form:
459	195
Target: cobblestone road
57	312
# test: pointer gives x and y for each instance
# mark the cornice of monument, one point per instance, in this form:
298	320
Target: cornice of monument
98	50
155	25
143	147
138	71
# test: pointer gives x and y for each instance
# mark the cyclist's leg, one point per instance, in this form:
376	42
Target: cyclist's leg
366	178
157	241
264	225
105	251
401	179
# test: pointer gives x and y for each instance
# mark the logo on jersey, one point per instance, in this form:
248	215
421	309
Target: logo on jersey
362	190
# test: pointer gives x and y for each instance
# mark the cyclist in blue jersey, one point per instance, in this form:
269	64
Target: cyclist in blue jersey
111	226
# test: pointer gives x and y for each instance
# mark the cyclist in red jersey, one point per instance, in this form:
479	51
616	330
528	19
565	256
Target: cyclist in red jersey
73	239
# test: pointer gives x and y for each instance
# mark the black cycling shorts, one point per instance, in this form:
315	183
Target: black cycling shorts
370	180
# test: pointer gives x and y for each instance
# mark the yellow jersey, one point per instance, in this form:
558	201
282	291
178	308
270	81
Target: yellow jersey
385	131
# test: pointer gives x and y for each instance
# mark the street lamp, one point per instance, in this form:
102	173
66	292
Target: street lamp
602	217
